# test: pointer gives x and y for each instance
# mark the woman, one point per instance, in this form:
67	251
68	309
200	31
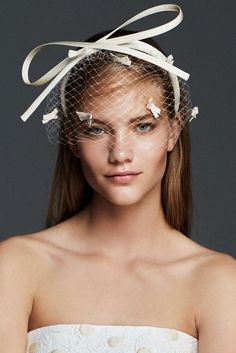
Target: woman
115	269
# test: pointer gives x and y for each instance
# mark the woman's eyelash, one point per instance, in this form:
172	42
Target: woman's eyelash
92	130
150	125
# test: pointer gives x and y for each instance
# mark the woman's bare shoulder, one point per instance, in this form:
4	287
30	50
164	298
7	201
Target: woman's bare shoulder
33	250
44	247
21	270
21	252
204	262
17	247
210	259
215	283
215	264
206	256
211	272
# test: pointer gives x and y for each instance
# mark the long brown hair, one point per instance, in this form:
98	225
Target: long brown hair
70	192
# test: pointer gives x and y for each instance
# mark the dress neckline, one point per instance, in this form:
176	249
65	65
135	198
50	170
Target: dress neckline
113	326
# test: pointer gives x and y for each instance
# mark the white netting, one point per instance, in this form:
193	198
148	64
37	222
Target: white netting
115	100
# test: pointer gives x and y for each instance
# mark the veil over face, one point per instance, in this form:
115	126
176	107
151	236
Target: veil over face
107	92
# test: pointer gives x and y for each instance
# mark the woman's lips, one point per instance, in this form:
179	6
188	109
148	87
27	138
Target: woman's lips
122	179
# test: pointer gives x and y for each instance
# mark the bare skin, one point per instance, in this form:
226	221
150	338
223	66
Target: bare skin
80	283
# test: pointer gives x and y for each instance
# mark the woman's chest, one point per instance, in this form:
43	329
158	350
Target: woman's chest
91	291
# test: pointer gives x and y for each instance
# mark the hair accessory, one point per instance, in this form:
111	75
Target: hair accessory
109	84
170	59
83	52
194	113
50	116
122	44
154	109
124	60
85	116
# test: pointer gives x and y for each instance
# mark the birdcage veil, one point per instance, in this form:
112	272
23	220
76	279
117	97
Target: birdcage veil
100	94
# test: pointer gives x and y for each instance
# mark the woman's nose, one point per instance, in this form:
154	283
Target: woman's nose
120	148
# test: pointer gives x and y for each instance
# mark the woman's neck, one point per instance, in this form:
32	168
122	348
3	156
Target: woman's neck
126	231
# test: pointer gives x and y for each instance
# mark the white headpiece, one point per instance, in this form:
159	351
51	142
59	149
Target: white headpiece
131	46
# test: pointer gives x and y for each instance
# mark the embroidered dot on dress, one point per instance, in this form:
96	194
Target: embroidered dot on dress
33	347
173	335
143	350
115	341
86	330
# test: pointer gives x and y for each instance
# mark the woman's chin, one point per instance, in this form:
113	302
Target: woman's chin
123	199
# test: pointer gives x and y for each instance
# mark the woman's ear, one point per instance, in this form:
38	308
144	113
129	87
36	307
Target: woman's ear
175	131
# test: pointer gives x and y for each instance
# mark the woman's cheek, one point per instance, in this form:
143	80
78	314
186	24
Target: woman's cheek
158	163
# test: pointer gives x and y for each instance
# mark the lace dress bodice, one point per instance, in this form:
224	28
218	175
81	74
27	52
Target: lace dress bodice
92	338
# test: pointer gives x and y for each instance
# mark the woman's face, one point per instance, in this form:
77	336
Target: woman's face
124	136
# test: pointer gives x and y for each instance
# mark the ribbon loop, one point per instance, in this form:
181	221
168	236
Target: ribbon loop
149	32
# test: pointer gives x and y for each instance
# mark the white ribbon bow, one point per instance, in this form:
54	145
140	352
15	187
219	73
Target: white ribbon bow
170	59
129	44
194	113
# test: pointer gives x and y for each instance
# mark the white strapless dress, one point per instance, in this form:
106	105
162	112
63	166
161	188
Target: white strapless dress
96	338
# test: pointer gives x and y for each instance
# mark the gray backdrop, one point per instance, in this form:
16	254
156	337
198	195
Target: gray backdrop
203	45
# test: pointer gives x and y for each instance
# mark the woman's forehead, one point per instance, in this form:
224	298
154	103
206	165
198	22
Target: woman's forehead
123	103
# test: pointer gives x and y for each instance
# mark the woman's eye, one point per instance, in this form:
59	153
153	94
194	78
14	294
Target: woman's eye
146	126
98	131
93	130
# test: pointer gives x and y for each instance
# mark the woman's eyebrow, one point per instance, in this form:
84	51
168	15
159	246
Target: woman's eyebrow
138	118
141	117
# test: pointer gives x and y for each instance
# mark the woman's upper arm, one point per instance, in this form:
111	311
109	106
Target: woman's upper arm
16	294
216	317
